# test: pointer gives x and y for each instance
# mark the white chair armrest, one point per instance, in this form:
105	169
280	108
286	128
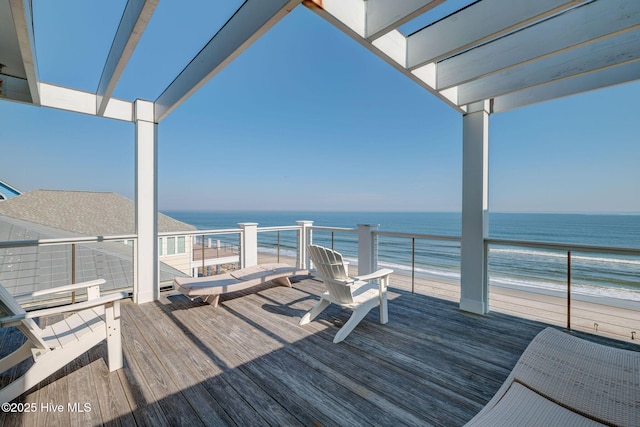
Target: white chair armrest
14	320
105	299
68	288
375	275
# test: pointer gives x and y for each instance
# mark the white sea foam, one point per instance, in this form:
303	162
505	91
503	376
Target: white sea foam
576	289
539	253
283	252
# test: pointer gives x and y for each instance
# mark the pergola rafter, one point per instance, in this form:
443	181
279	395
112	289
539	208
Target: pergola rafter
251	21
478	23
555	36
22	73
561	88
609	52
385	15
136	16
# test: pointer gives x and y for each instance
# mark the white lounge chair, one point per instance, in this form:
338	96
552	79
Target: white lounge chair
359	294
563	380
52	348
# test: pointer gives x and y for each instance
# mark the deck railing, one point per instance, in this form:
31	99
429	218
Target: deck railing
581	275
279	244
572	265
31	265
425	238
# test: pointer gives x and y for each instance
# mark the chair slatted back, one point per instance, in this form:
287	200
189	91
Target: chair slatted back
10	307
332	271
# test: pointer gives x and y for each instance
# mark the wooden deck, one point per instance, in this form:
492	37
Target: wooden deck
248	363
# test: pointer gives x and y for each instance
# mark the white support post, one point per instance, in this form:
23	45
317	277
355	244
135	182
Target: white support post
304	239
148	287
474	290
367	248
249	244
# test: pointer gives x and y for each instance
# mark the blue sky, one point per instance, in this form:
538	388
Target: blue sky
305	119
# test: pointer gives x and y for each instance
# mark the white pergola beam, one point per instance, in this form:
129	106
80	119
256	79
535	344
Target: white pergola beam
78	101
384	15
135	18
478	23
252	20
596	20
606	53
391	47
584	83
21	11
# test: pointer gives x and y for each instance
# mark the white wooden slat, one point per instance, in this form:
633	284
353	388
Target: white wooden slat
584	83
50	338
252	20
606	53
79	325
73	328
82	102
136	16
60	332
93	318
385	15
394	45
594	20
476	24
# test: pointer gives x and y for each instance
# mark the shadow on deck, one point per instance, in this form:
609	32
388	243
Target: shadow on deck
248	362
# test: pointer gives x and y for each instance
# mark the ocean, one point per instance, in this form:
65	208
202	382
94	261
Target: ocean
598	274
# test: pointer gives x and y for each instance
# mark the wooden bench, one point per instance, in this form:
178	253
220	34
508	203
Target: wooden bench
210	288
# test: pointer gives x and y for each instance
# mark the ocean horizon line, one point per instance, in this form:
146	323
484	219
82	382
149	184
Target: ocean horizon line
304	211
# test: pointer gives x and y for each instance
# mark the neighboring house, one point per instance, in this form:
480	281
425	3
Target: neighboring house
43	214
7	192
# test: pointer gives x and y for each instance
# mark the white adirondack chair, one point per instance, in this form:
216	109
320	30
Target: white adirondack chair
52	348
359	294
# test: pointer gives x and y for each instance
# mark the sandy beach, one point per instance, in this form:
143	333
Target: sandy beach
606	317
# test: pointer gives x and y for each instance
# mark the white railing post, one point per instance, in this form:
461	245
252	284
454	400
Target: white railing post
367	248
305	238
248	244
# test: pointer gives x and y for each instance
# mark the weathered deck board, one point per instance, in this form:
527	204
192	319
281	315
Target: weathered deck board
248	362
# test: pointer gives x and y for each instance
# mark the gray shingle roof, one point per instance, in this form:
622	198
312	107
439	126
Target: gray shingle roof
83	212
